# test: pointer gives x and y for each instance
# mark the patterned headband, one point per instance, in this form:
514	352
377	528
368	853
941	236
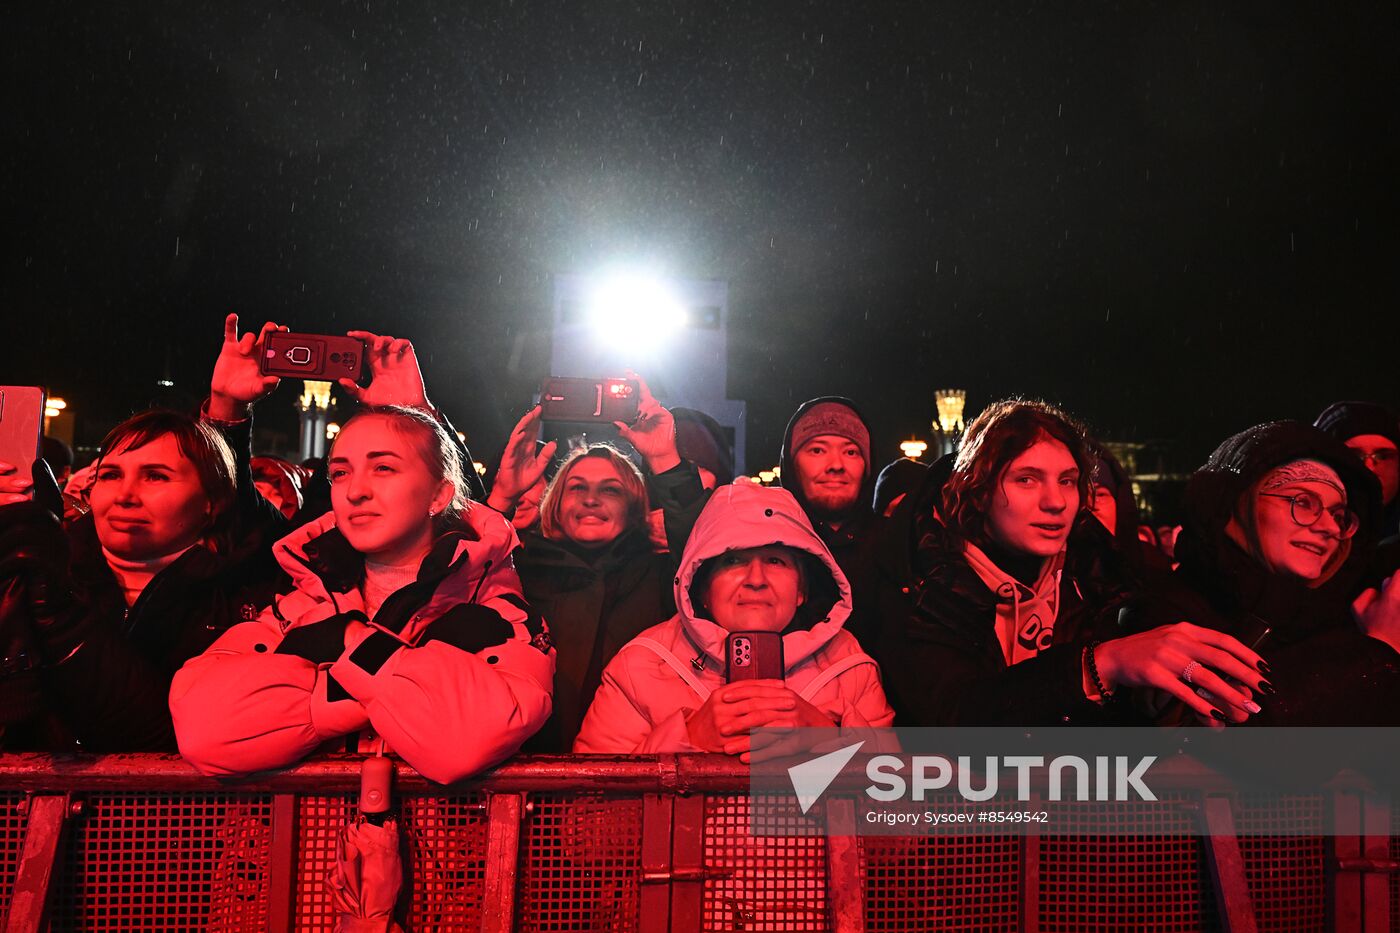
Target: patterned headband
1303	471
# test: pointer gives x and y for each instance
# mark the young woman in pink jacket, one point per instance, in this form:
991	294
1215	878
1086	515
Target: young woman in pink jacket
406	623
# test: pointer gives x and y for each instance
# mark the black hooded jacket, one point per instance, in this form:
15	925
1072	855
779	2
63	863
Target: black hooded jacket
938	648
1325	670
854	543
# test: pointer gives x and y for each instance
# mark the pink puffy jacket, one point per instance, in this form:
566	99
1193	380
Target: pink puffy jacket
449	710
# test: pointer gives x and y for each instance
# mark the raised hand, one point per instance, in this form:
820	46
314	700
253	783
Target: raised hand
653	434
237	382
15	484
395	378
1377	611
521	466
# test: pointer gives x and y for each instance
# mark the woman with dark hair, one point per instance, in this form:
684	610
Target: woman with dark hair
176	549
1280	527
406	620
1002	592
589	566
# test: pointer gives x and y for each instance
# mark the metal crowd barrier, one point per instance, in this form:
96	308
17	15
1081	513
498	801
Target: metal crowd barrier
142	842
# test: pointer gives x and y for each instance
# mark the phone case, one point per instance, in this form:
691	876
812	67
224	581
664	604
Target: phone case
754	656
313	356
590	400
21	425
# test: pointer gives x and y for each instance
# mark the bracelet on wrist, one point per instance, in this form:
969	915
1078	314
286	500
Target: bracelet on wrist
1093	670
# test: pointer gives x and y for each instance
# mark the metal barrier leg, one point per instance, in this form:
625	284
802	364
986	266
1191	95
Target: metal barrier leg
503	813
1227	867
843	888
43	834
282	863
655	896
1030	874
1375	884
688	863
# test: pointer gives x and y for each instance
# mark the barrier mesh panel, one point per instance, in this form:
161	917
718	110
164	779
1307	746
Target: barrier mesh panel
580	864
1286	874
775	883
444	849
319	821
941	882
1090	880
167	862
447	863
11	843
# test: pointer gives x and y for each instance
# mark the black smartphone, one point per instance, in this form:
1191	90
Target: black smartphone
313	356
753	656
604	400
21	425
1251	635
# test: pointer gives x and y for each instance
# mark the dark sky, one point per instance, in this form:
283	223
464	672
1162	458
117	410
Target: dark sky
1177	219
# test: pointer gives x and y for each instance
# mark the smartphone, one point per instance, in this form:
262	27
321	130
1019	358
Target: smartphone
753	656
313	356
603	400
21	425
1252	635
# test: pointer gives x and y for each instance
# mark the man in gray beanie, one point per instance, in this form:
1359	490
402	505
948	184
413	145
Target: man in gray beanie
826	465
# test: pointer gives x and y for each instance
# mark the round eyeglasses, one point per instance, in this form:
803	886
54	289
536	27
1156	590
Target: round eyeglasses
1306	509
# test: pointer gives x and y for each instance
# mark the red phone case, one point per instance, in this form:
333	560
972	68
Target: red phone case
21	425
753	656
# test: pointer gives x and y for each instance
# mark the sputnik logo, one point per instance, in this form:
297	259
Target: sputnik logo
811	778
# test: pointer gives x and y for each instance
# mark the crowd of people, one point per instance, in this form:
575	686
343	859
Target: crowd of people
180	593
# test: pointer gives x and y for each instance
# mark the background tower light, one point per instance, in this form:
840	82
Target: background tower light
634	311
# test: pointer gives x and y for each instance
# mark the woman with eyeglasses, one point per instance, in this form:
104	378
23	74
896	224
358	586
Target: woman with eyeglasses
1280	527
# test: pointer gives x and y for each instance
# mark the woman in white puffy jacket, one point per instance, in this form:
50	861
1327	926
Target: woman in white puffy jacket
752	564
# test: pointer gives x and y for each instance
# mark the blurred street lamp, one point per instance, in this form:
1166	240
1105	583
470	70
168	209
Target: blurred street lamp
949	426
912	448
314	404
57	408
479	467
332	430
766	477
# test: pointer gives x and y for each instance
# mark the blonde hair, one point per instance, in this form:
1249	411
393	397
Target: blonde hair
634	487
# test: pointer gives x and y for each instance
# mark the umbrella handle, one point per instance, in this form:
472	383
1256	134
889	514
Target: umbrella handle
376	777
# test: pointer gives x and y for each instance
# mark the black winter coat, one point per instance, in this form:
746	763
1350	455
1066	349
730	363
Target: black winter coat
107	680
1326	672
938	649
593	603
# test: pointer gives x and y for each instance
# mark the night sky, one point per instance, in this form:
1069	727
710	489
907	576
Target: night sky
1175	219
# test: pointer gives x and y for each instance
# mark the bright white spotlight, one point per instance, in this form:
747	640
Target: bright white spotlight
634	311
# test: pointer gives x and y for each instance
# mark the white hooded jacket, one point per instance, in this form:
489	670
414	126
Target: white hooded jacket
663	675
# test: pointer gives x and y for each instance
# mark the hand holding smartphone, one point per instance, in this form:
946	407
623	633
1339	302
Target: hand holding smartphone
753	656
21	436
313	356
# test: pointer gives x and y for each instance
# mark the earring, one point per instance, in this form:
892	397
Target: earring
432	513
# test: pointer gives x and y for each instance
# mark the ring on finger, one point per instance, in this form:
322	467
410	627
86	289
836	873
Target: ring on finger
1189	671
